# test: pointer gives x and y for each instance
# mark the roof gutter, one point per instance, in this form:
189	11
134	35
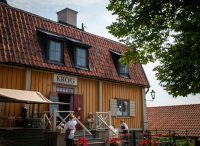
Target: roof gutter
147	90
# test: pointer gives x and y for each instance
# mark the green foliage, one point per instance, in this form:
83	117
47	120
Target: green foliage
183	143
164	30
169	141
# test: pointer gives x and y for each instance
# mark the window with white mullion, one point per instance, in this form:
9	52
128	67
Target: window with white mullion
122	107
81	57
55	51
123	70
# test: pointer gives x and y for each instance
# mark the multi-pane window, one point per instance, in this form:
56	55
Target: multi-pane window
64	89
123	70
123	108
55	51
81	57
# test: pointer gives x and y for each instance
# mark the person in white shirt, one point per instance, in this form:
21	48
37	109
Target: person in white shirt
70	128
124	129
111	134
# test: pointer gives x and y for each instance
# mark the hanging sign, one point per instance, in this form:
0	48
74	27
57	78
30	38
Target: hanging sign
65	79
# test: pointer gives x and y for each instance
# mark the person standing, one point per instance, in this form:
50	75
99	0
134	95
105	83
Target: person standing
70	128
111	134
124	129
24	116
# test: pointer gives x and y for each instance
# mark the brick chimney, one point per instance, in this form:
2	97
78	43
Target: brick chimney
68	16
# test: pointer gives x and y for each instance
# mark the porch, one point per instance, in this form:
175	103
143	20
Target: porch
47	130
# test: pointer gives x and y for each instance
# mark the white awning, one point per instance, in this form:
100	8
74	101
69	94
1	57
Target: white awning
23	96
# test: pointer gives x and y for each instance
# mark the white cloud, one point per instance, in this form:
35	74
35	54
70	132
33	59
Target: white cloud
51	3
83	2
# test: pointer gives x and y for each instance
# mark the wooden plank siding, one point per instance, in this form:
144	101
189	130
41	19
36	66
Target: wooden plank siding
43	83
89	89
113	90
12	78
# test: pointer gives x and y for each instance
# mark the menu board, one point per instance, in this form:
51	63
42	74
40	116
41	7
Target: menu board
52	106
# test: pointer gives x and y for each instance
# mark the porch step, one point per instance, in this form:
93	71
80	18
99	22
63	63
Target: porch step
90	138
97	143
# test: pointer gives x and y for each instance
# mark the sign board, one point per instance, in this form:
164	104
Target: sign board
53	97
68	80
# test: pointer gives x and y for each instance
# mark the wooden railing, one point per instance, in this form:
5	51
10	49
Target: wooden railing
102	121
51	123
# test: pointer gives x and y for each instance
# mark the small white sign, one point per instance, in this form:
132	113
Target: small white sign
65	79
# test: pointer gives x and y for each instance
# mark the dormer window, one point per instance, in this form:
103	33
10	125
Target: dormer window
79	54
55	51
122	69
81	57
52	45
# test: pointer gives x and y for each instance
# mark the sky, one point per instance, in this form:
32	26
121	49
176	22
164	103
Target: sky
95	17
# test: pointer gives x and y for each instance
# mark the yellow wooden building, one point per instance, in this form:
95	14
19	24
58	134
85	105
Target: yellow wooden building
68	64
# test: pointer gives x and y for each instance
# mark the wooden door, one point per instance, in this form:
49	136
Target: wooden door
78	109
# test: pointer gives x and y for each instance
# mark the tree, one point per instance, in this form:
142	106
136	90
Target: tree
163	30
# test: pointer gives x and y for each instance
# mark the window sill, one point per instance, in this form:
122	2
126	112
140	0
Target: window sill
126	117
55	62
84	68
123	76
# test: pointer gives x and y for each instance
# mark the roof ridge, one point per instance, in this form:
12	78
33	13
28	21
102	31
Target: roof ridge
174	105
18	9
47	19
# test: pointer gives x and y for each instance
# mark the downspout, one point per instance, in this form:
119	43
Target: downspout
27	86
144	117
100	96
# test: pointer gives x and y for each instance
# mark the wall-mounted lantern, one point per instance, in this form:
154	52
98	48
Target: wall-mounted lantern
153	94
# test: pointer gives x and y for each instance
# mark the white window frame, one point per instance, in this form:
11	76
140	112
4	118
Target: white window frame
55	51
82	58
123	70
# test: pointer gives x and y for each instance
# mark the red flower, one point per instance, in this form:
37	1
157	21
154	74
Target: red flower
82	141
144	143
115	141
149	143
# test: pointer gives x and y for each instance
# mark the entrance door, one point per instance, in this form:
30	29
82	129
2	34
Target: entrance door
78	108
75	103
67	98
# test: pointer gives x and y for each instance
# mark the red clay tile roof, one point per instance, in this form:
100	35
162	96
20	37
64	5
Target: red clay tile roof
178	118
19	46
